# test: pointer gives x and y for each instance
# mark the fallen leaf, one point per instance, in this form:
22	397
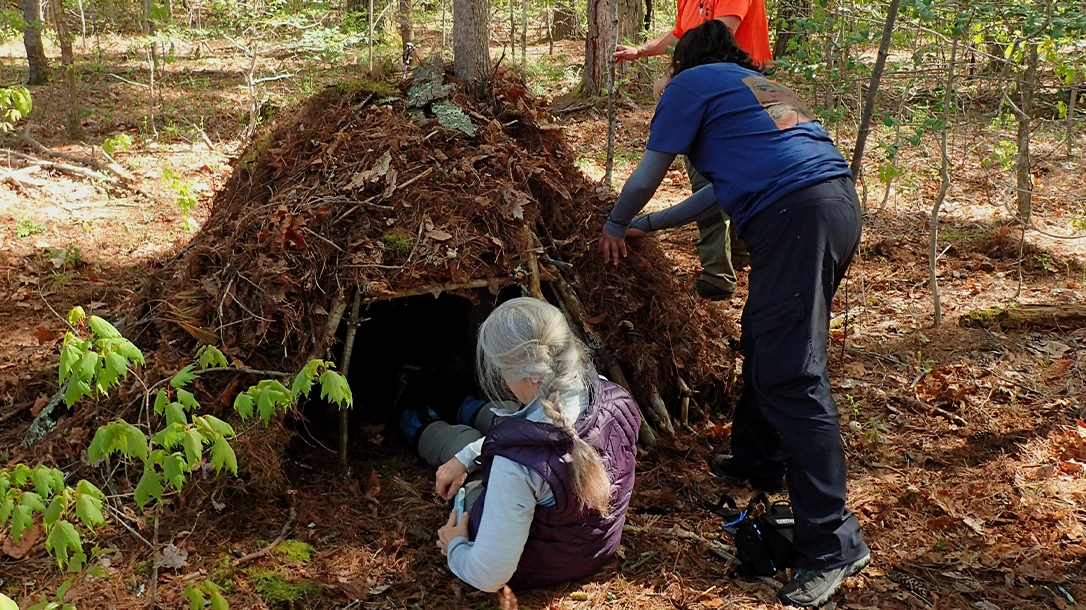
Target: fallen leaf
713	604
379	589
18	550
371	175
45	335
39	404
597	319
373	487
172	558
439	235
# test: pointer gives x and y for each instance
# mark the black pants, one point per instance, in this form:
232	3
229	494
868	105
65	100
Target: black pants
786	421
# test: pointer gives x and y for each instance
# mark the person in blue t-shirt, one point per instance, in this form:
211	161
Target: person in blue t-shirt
777	174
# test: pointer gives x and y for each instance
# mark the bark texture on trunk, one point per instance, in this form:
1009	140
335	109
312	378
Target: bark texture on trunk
67	62
598	45
406	27
1022	163
471	53
788	13
565	20
35	50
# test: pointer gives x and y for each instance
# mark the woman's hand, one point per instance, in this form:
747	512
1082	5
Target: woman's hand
612	248
625	53
451	531
632	233
450	476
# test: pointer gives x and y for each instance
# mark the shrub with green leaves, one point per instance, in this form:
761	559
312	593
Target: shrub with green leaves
15	105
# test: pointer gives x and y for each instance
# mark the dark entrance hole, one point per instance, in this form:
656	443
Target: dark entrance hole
430	340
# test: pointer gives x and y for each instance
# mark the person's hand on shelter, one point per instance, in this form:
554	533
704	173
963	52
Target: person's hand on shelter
451	531
450	476
612	248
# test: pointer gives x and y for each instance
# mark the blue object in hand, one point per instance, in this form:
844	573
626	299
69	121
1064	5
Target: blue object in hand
458	504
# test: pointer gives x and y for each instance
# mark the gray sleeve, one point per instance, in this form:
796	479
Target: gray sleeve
637	191
699	206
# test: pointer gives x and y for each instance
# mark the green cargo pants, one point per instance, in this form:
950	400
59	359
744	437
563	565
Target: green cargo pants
719	250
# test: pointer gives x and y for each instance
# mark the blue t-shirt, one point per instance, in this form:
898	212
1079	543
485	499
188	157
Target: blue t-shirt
753	138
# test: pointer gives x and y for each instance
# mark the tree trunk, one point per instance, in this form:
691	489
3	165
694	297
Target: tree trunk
1070	120
872	91
598	45
35	50
403	18
67	62
649	14
1024	179
565	20
354	6
788	13
471	53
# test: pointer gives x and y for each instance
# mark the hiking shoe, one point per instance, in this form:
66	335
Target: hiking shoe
812	588
723	466
708	291
414	421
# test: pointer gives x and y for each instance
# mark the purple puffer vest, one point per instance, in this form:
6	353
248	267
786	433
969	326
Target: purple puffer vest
569	541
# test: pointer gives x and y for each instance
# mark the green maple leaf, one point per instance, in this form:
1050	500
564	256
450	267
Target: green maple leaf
7	505
87	488
77	388
89	510
70	355
33	501
161	400
222	456
6	603
187	399
175	414
103	328
170	437
173	467
76	315
63	538
20	521
183	377
115	368
303	382
194	446
88	366
334	387
52	514
210	357
218	602
265	403
45	481
150	486
195	597
102	444
218	425
135	441
243	404
130	351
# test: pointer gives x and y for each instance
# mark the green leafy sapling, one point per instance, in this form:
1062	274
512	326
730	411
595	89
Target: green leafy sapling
94	357
198	595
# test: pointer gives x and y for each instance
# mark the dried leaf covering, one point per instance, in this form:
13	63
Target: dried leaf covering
359	188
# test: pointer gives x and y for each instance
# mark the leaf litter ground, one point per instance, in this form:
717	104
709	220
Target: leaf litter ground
971	493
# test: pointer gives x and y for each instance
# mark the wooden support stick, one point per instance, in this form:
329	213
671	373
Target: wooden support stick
436	289
684	404
344	368
662	419
339	305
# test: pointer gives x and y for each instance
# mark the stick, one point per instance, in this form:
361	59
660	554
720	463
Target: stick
264	551
153	593
203	134
339	305
716	547
61	167
436	289
345	367
111	168
684	405
659	410
532	258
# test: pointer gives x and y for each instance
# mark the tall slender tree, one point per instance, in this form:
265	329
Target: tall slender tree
67	62
35	50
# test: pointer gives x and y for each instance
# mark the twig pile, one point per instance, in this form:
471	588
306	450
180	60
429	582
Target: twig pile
364	187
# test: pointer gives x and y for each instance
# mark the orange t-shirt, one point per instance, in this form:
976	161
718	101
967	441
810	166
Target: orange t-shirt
752	34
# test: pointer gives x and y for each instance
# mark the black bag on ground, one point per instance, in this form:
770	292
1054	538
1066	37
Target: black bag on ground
763	543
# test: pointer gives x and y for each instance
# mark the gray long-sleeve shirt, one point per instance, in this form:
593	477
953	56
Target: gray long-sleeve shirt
641	186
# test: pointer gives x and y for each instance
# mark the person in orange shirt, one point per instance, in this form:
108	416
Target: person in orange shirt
719	249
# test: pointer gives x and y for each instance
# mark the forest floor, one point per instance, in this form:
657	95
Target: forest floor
966	448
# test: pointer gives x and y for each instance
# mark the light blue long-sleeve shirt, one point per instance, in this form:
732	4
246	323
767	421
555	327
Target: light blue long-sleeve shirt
513	493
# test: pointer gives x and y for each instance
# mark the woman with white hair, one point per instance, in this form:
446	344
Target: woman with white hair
549	476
